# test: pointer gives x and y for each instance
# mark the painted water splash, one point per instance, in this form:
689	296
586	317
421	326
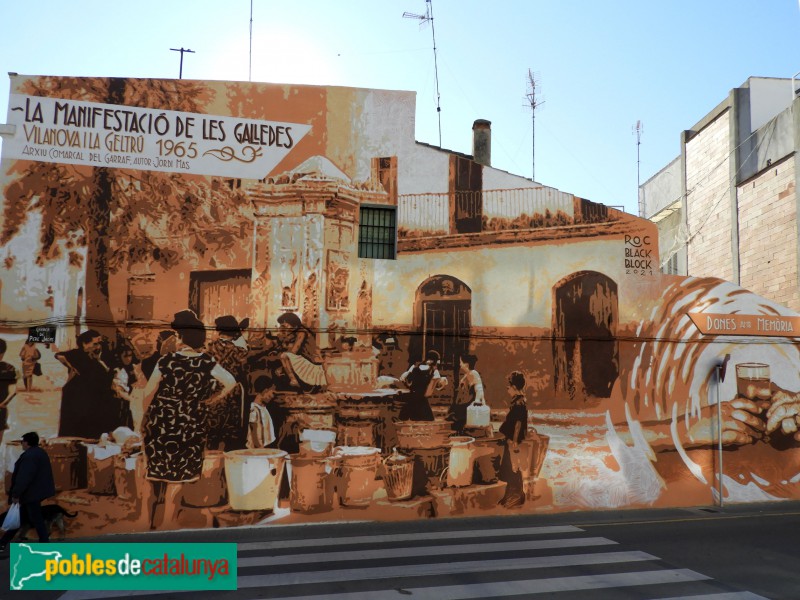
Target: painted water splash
583	476
643	484
673	377
752	491
676	363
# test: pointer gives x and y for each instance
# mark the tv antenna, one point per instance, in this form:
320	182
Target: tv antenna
181	50
533	102
424	20
250	64
638	130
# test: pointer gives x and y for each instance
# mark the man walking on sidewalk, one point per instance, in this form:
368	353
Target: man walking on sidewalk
31	483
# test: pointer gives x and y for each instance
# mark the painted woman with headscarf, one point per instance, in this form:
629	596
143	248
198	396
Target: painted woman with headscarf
88	407
228	420
422	379
301	358
469	392
178	392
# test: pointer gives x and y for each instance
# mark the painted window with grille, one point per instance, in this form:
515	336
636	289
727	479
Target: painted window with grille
377	231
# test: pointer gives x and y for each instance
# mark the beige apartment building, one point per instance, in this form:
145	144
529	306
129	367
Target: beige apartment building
727	205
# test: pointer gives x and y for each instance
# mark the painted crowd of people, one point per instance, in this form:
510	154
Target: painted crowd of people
193	394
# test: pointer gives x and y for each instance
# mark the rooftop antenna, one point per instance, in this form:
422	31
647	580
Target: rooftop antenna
181	50
424	20
534	102
638	130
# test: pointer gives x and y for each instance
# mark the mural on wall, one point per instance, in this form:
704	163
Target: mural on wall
191	324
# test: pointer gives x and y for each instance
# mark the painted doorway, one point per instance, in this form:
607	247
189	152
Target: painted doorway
213	294
585	350
442	311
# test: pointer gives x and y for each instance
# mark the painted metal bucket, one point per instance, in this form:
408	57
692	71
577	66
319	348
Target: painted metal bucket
488	454
357	474
68	459
431	468
398	476
126	483
100	468
462	457
422	434
311	483
254	477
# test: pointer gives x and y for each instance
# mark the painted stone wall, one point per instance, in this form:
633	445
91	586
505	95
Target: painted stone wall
187	323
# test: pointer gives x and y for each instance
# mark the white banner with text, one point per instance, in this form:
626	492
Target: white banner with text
108	135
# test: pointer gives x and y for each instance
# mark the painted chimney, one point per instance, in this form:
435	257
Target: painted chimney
482	142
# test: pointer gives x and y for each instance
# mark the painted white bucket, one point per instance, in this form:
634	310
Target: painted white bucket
254	477
462	457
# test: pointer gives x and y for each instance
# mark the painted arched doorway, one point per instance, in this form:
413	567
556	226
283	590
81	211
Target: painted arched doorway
585	350
442	313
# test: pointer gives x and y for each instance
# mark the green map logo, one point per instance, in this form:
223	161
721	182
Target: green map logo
115	566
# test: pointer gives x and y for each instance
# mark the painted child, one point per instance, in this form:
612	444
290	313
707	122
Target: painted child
514	429
261	432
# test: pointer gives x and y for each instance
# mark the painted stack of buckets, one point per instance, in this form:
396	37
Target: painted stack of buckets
444	460
320	473
312	485
101	467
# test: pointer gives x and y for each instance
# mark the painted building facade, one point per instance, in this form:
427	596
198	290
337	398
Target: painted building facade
232	304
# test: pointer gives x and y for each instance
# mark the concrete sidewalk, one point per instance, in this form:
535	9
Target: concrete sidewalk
278	531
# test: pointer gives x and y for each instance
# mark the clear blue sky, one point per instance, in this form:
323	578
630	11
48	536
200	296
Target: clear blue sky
601	66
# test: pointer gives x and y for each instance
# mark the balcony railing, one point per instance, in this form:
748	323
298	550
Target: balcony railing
492	210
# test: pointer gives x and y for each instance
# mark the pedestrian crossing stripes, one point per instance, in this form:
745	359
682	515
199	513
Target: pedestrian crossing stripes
410	537
474	566
389	553
451	565
531	587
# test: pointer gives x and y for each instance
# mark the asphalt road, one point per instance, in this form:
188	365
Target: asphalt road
733	553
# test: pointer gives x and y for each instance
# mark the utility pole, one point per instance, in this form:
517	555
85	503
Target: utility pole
533	103
181	50
638	130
